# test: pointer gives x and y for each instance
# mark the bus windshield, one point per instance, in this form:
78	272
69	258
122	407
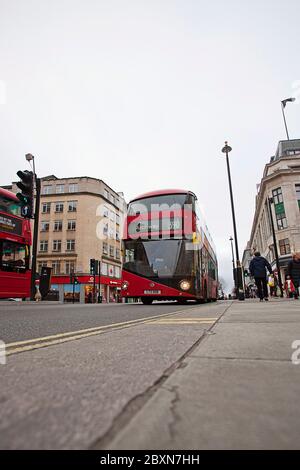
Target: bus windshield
165	258
164	202
10	206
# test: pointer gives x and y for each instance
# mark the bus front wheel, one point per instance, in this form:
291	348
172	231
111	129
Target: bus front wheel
147	301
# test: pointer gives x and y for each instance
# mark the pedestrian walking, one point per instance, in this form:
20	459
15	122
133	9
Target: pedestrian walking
289	287
253	290
277	291
258	267
38	295
271	284
294	272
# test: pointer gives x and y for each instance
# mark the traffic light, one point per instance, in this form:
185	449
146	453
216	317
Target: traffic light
73	279
26	197
94	265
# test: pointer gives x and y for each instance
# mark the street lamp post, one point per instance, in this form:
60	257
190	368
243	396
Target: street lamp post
239	279
29	158
270	202
233	262
283	105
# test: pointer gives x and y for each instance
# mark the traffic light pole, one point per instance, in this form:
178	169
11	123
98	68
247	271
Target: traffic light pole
94	288
99	283
35	236
73	296
270	201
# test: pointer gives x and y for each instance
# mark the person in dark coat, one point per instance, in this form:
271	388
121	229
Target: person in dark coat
257	267
294	272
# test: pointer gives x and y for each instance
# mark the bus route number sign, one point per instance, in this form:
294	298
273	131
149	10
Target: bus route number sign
146	226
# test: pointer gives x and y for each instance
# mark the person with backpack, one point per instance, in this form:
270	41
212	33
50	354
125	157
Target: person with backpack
258	267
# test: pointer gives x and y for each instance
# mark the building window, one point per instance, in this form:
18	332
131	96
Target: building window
279	209
46	206
47	189
70	245
44	245
293	152
105	230
72	225
117	219
58	226
112	216
281	221
105	248
59	207
111	251
73	188
72	206
70	267
117	272
298	194
111	233
104	269
56	267
118	236
60	188
105	212
106	194
112	198
284	246
277	196
111	270
56	245
45	226
118	253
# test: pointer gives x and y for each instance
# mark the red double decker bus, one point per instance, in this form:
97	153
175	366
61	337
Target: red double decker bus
15	242
168	253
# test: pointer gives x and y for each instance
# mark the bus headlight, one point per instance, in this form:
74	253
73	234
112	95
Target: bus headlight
185	285
125	285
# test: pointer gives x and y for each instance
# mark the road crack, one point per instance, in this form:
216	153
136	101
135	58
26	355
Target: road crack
175	418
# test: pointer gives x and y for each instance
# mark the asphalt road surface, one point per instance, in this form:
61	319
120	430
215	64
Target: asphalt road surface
74	375
23	321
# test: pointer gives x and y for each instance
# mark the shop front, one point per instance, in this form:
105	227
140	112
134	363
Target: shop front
87	291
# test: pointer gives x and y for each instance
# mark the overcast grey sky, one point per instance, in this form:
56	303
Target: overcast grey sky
143	93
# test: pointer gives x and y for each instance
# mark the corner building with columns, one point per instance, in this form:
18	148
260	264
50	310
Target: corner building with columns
281	184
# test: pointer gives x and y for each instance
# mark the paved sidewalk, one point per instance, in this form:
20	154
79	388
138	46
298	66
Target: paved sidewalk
237	390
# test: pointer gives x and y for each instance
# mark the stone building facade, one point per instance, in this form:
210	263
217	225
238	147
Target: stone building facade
80	218
280	184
